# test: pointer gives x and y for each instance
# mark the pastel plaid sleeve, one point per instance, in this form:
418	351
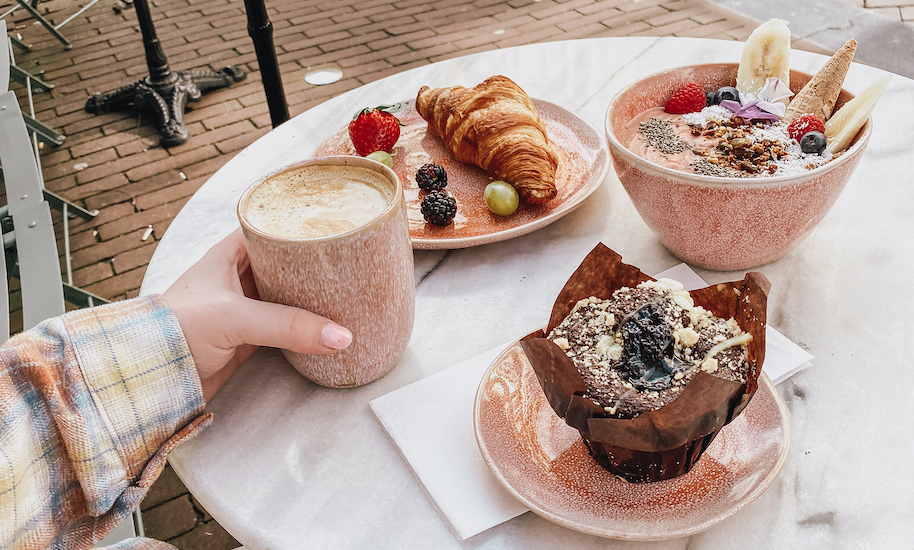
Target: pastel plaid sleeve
90	405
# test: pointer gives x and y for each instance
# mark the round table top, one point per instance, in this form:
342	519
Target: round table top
288	464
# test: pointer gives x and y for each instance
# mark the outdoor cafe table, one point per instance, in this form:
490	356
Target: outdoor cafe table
288	464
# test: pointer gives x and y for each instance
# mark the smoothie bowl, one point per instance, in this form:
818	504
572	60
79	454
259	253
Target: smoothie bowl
722	222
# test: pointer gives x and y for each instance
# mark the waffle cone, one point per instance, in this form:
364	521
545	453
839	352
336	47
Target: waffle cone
819	95
666	442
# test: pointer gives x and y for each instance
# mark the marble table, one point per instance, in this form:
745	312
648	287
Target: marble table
288	464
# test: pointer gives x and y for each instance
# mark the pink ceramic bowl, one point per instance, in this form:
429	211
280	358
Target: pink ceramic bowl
720	223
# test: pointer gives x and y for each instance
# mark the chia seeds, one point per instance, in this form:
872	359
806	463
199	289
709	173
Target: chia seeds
660	136
707	168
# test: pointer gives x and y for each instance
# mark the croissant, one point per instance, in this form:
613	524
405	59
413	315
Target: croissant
496	127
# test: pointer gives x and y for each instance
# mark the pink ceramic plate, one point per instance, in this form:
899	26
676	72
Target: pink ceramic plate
544	463
583	164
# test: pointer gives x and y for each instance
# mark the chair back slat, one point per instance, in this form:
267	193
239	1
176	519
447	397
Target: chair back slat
20	168
39	265
4	59
35	243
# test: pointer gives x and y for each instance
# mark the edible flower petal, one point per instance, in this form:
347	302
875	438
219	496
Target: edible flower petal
749	110
767	105
731	105
774	91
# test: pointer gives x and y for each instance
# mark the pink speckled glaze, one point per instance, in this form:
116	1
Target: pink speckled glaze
544	463
718	223
362	279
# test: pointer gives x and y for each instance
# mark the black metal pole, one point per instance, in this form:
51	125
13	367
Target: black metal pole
159	72
260	30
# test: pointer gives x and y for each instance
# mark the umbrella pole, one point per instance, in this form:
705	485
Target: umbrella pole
260	30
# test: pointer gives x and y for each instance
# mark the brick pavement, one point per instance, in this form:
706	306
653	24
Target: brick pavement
113	162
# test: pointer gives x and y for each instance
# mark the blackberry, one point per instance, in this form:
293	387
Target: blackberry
431	177
439	208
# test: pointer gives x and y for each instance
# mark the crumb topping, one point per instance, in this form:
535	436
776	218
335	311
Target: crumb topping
638	350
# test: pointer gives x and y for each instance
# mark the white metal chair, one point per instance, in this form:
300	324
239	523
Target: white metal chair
37	134
34	245
42	133
30	247
33	231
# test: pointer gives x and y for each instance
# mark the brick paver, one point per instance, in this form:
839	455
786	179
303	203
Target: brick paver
114	163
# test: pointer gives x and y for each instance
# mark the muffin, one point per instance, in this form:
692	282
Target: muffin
647	372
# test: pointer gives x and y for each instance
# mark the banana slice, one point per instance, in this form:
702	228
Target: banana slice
766	53
847	121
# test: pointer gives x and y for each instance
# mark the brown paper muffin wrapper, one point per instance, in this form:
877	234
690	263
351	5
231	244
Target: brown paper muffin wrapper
666	442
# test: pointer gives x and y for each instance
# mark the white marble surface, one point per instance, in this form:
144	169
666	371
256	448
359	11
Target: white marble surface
287	464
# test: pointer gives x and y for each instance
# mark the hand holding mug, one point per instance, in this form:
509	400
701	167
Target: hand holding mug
224	322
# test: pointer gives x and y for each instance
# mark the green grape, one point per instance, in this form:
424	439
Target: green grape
383	157
501	198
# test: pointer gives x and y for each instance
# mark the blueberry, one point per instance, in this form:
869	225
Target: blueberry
726	93
813	142
709	98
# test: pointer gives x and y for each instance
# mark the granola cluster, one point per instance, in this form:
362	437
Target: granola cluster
740	151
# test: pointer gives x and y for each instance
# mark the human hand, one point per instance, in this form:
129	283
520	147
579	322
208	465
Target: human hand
224	322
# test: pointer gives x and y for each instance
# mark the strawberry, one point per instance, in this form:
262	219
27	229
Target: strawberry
687	99
801	125
375	129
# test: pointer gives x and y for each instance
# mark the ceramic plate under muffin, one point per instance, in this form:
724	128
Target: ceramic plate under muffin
583	164
543	462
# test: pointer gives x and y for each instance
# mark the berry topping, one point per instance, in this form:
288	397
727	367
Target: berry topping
375	129
813	142
648	362
431	177
799	126
439	208
689	98
709	98
727	93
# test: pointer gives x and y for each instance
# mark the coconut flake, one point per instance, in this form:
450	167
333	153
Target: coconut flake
700	118
795	161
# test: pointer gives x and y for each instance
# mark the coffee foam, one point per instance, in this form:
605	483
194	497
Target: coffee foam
318	200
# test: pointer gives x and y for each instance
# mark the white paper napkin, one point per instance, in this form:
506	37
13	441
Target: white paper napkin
431	423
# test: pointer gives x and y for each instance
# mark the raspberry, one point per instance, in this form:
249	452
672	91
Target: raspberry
439	208
431	177
689	98
801	125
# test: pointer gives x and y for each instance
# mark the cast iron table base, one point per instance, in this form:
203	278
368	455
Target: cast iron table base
166	99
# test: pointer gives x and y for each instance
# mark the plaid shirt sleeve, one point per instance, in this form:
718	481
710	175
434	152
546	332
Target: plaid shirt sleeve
90	405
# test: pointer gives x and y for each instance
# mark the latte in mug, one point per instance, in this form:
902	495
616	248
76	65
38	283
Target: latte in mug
331	235
317	201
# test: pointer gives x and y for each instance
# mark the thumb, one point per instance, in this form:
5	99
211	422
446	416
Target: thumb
295	329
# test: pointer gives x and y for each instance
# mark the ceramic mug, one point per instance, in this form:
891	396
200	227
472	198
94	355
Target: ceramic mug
361	277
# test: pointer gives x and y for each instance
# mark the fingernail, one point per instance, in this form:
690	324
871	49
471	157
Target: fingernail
335	336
